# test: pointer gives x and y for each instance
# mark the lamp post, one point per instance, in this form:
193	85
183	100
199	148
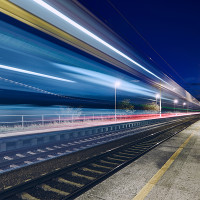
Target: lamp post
157	96
117	84
160	103
175	102
183	106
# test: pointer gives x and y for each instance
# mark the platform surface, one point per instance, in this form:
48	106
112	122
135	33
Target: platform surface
171	171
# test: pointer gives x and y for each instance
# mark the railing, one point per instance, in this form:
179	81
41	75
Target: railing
27	120
9	121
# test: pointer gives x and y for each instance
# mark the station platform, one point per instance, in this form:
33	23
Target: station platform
169	171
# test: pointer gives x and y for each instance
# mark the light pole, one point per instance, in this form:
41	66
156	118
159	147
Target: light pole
157	96
175	101
183	106
160	104
117	84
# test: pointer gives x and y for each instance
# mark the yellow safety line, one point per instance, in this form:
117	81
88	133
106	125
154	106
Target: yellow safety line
26	196
149	186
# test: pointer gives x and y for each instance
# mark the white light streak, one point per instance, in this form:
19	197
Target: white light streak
84	30
34	73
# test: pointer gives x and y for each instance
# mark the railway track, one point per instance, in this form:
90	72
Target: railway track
11	160
69	182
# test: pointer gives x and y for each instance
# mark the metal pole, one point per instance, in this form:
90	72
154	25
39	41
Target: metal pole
174	108
115	101
72	118
59	118
160	101
22	121
42	119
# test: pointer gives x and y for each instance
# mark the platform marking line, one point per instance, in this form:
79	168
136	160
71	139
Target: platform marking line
152	182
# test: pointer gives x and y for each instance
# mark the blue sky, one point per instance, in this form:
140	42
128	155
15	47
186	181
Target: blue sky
171	27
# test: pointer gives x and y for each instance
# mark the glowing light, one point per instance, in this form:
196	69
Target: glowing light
117	84
157	96
175	101
34	73
84	30
184	103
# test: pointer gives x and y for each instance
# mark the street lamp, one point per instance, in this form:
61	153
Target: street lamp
183	106
157	96
117	84
175	102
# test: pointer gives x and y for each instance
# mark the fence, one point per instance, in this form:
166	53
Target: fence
27	120
45	119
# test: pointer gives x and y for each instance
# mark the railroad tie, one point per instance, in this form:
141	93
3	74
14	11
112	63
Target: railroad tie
130	151
50	189
83	176
107	162
101	166
115	159
26	196
121	156
137	147
143	145
62	180
129	154
92	170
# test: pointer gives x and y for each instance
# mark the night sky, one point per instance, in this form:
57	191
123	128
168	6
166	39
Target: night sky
171	28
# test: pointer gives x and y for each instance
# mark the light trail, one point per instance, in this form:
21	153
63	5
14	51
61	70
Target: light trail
84	30
34	73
